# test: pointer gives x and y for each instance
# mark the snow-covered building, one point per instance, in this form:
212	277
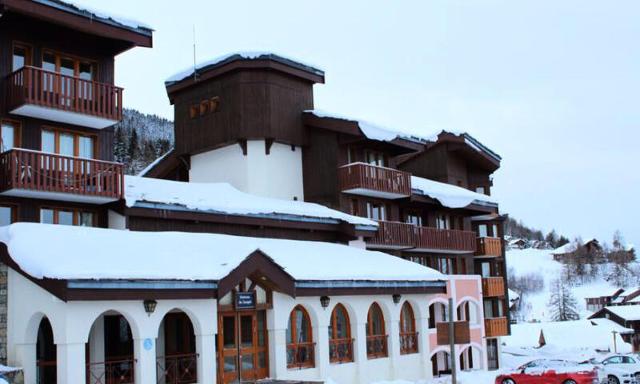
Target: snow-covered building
627	316
267	224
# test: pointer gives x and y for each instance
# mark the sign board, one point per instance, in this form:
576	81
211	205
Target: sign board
461	333
245	300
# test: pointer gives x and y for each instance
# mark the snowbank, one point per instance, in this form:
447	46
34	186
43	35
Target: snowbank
224	198
66	252
448	195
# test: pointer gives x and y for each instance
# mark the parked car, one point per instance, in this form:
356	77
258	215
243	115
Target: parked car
620	369
552	372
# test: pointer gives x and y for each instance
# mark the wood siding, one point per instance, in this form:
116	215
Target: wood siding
253	104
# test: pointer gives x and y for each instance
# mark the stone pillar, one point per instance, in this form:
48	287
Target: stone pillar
26	355
144	351
393	346
207	362
277	353
71	367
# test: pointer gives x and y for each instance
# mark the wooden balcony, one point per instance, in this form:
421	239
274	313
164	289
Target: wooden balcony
37	93
447	240
26	173
393	235
496	327
493	287
461	333
370	180
489	246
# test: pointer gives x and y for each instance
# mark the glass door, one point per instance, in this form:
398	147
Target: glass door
242	346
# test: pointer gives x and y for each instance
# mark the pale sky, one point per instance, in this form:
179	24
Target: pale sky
553	87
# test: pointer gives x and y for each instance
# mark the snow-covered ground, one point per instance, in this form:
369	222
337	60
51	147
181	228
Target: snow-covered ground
534	307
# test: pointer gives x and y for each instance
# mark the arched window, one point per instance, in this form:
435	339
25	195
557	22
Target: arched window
300	344
340	342
408	334
376	338
438	313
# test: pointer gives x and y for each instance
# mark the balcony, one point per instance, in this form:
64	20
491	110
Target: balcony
489	246
493	287
393	235
461	333
26	173
41	94
444	240
496	327
370	180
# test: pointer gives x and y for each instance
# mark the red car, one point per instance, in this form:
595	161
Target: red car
551	372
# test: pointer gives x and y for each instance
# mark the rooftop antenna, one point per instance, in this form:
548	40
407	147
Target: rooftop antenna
195	72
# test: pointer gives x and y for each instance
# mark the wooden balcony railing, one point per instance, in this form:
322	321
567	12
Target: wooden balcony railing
493	286
361	176
394	234
445	239
47	172
341	350
301	355
36	86
461	332
489	246
408	343
177	369
377	346
111	372
496	327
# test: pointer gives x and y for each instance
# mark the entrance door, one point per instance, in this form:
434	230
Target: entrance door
242	346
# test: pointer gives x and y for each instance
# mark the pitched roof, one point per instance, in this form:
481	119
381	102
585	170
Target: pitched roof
449	195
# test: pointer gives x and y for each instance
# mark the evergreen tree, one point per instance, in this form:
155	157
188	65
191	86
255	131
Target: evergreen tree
562	303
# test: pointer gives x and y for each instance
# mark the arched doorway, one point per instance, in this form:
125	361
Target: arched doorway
177	360
440	364
470	359
110	350
469	311
438	313
45	354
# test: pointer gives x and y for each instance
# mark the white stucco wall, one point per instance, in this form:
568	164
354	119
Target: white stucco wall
277	175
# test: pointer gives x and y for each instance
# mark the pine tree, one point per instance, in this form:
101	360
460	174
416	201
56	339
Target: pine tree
562	303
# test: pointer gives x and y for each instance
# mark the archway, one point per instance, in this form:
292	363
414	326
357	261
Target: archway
177	359
471	358
110	357
440	363
438	313
45	354
469	311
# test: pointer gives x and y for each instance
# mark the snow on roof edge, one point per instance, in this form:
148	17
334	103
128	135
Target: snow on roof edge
247	55
450	196
154	163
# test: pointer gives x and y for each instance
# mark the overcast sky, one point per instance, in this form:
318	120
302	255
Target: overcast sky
553	87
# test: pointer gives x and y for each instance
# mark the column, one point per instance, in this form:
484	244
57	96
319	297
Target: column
71	367
360	350
26	358
207	363
144	350
277	353
321	337
393	346
424	348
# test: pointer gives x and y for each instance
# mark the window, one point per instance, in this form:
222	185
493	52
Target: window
408	334
482	230
376	211
374	158
485	269
204	107
414	219
438	313
300	346
67	217
68	144
6	215
9	135
69	65
21	56
376	338
443	222
495	230
340	342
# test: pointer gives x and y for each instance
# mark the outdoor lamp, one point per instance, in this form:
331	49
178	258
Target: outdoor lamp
150	306
324	301
396	298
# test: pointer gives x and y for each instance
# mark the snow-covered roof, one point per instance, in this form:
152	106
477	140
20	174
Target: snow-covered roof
85	11
154	163
627	312
99	253
567	248
224	198
373	131
595	333
448	195
253	55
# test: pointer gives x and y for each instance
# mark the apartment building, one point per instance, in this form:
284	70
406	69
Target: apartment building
259	231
